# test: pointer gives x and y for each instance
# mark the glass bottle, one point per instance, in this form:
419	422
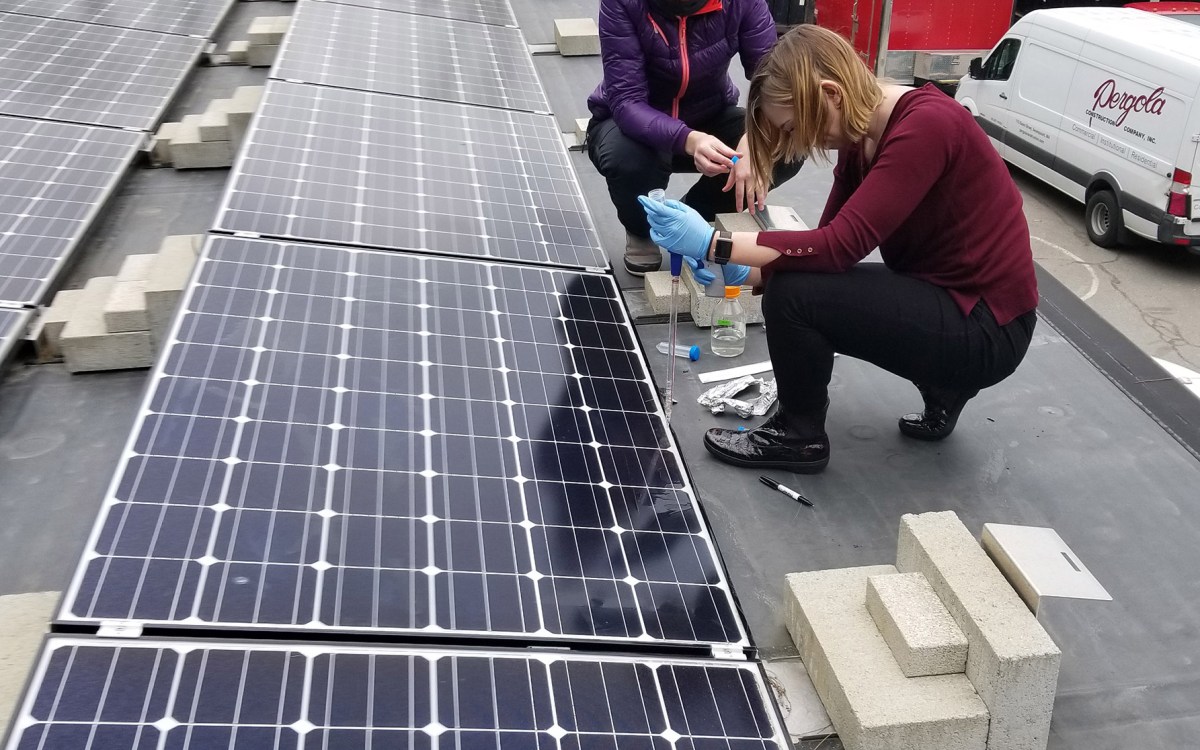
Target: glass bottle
729	325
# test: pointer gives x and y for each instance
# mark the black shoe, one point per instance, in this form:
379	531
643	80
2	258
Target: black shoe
772	445
942	408
641	255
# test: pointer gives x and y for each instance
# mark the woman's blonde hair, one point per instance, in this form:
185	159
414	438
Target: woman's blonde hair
790	76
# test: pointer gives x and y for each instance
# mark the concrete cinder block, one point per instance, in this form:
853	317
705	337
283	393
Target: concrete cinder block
169	275
54	319
160	147
577	36
136	267
236	51
581	126
267	30
214	123
915	624
24	621
779	217
189	152
870	701
125	308
658	293
1011	659
88	346
261	55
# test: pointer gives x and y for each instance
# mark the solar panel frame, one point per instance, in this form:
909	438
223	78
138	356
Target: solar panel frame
195	18
54	179
149	693
12	326
93	75
491	12
382	51
561	512
378	170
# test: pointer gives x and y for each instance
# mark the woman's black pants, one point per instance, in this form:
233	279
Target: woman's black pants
631	168
906	326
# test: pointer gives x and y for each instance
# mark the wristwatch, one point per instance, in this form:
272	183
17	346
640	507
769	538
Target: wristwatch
723	249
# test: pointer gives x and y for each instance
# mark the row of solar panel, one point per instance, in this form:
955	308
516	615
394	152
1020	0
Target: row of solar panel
345	440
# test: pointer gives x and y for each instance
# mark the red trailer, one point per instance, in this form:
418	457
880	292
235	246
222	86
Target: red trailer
929	39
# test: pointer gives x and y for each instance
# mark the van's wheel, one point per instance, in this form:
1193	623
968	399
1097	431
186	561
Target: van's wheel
1103	219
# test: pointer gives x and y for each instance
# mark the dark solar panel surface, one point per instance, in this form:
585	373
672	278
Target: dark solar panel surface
188	695
95	75
332	165
494	12
349	440
53	178
187	17
400	53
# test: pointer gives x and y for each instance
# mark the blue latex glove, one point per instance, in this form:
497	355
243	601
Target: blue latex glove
735	274
677	228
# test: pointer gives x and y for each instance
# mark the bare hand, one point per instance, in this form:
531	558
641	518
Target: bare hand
751	192
712	157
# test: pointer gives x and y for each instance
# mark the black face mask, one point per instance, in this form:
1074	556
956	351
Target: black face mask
678	7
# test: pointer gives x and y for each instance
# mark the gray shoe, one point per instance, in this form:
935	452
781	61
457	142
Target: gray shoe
641	255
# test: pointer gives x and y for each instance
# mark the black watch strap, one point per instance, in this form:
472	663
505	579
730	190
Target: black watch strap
723	249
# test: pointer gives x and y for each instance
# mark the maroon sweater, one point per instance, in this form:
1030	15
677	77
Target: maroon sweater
937	201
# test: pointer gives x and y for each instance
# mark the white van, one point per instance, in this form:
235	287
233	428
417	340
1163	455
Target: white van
1101	103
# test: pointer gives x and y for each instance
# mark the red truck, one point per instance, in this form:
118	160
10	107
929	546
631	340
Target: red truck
924	39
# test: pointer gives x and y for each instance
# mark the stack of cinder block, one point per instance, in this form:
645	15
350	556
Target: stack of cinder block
208	140
262	41
118	322
937	652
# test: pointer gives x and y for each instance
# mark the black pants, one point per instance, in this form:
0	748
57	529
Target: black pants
632	168
906	326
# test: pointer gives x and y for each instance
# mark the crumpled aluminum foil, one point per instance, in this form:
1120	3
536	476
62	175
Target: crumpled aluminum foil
721	397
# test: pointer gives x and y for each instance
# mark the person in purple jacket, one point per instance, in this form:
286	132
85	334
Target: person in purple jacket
951	308
667	105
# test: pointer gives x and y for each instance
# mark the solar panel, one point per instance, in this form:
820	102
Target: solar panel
95	75
12	327
348	440
189	695
494	12
188	17
332	165
53	179
397	53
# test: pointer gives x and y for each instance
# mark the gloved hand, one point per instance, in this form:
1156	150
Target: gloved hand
735	274
677	228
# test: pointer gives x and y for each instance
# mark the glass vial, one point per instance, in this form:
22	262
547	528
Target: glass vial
729	325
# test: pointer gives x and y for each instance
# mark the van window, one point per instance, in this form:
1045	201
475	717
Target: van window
1000	63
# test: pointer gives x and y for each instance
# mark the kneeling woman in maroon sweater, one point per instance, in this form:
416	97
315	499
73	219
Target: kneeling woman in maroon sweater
951	308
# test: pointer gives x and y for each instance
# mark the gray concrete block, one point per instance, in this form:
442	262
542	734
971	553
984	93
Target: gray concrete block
780	217
251	95
742	222
54	319
577	36
24	621
915	624
136	267
581	125
214	123
872	704
658	293
261	55
1011	659
189	152
160	144
236	51
168	277
125	308
267	30
88	346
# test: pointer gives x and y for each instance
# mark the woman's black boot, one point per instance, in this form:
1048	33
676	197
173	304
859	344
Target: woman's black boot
796	444
942	407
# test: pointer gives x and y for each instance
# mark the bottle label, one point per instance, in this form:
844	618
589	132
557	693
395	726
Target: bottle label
724	322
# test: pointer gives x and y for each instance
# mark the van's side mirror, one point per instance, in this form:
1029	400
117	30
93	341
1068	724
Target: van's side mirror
975	70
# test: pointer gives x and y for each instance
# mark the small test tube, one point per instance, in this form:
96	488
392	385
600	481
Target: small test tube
681	350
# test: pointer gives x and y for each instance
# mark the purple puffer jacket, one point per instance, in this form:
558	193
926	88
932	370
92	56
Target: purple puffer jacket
653	89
